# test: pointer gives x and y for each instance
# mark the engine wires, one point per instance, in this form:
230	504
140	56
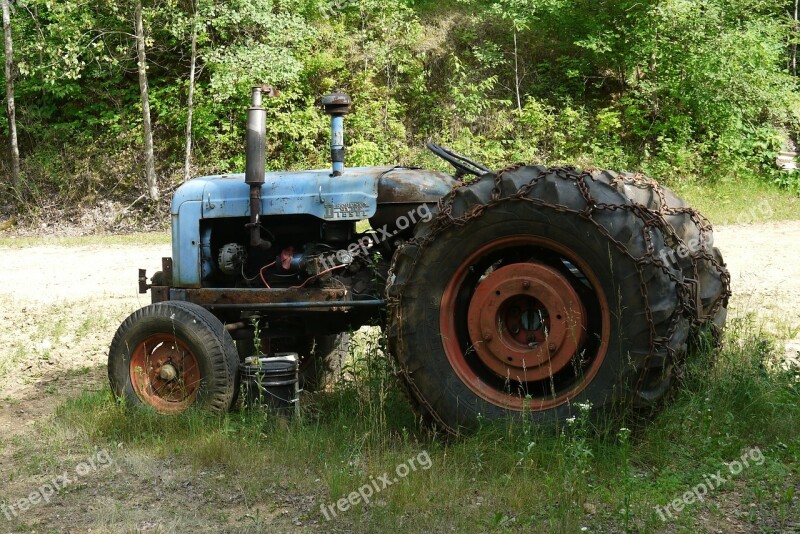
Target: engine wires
261	273
307	280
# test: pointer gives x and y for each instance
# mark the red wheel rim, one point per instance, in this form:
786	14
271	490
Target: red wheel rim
165	374
515	324
526	321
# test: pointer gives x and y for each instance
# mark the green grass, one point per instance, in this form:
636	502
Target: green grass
148	238
505	477
743	201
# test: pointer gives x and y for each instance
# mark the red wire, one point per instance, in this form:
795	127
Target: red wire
317	275
261	273
307	280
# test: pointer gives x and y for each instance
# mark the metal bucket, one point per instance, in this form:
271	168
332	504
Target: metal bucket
271	382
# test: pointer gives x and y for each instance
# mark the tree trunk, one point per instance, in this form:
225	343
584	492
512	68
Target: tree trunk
794	40
516	71
149	158
12	113
187	167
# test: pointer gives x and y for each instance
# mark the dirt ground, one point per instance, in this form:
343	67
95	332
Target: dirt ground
764	263
74	286
61	305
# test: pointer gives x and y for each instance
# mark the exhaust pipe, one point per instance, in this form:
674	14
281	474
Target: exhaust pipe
255	154
337	105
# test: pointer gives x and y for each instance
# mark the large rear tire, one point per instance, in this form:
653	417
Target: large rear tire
537	289
692	243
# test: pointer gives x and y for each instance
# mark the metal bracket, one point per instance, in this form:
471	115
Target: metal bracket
143	285
166	268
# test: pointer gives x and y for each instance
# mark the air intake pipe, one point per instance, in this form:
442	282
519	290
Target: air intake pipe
337	105
255	154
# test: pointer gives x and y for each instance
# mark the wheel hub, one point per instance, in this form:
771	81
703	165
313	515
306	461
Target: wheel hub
526	321
165	373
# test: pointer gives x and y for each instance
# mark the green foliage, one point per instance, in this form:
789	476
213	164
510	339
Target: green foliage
675	88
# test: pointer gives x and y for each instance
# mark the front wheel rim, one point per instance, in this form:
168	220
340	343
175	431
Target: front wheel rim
525	323
165	373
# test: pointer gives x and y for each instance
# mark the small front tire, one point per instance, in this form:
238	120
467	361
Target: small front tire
172	355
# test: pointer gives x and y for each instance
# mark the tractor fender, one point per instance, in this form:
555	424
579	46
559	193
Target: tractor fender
401	191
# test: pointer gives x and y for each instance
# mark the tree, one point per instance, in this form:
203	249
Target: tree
793	53
187	165
12	119
149	158
671	88
518	13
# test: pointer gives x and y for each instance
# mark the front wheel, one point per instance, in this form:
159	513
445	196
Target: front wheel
173	355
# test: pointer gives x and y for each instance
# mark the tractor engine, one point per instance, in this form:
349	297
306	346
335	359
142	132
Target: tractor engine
281	247
310	255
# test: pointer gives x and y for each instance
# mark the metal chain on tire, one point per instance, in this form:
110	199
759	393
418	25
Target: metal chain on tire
687	289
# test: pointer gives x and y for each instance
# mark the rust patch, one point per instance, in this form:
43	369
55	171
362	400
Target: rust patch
214	296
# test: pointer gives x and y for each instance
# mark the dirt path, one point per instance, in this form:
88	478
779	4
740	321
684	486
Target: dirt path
762	258
764	263
60	306
49	274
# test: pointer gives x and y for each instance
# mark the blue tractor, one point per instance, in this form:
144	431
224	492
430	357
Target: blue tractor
523	291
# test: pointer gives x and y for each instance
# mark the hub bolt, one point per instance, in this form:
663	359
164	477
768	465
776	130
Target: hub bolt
487	336
526	284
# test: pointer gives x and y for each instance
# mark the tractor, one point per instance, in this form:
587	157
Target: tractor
518	292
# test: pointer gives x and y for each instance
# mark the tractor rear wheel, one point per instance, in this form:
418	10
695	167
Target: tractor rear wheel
534	290
173	355
692	243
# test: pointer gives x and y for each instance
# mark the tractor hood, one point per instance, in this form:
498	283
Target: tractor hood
352	196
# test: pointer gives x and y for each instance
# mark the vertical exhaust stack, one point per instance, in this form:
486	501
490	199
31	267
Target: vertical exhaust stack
255	154
337	105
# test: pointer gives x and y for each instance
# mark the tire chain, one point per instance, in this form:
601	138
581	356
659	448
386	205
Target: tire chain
688	290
